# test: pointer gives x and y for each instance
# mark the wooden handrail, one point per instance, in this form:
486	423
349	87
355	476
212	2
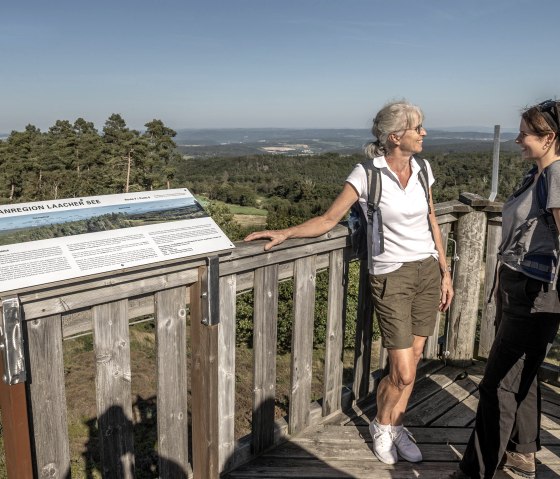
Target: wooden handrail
105	304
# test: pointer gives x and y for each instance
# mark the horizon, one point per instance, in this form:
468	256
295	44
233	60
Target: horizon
457	129
253	64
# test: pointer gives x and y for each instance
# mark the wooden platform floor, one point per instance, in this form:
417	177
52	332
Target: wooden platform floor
440	414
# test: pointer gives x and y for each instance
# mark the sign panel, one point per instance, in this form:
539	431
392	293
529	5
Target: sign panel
54	240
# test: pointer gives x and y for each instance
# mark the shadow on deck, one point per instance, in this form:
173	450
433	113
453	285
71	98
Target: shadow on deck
440	415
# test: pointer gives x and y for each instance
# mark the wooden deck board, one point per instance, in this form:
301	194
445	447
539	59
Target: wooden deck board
442	409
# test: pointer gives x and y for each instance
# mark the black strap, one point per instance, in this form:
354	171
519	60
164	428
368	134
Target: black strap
373	176
374	183
424	180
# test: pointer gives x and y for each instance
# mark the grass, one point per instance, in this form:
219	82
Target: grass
236	209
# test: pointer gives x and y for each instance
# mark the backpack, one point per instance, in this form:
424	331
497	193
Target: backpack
542	266
365	231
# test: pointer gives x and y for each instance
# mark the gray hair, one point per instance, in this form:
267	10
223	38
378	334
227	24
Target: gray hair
392	118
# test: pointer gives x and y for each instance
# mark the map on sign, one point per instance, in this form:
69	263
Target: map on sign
48	241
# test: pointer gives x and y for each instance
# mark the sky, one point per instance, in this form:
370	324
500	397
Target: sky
275	64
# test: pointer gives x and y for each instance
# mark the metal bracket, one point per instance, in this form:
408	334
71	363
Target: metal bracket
210	291
11	341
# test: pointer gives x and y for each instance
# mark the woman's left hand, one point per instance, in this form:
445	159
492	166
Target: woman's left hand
446	294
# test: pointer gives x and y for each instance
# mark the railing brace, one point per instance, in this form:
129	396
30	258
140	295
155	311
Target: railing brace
11	341
210	291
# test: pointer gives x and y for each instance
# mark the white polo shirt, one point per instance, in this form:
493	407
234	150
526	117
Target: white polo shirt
407	235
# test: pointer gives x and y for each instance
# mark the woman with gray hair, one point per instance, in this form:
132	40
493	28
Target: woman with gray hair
409	276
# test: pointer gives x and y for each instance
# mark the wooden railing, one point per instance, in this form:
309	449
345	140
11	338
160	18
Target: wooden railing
105	305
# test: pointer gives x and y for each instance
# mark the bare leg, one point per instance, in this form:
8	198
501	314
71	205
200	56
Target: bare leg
395	389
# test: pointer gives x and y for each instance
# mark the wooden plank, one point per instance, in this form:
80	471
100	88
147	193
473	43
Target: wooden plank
204	343
279	255
334	366
461	415
551	393
446	219
265	318
108	279
302	344
463	314
112	383
441	402
15	428
358	451
453	206
245	281
256	248
226	371
77	300
487	329
550	409
550	436
549	373
472	199
549	422
317	468
48	397
332	434
80	321
431	384
364	325
171	338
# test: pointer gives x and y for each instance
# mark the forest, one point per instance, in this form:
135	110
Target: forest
75	159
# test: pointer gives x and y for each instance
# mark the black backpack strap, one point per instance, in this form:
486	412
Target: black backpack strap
373	176
424	180
541	192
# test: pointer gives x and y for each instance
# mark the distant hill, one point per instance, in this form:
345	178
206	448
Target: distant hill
251	141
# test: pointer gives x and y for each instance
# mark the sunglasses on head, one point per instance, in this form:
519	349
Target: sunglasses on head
549	110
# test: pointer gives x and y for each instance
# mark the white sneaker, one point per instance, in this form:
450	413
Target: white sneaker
383	446
406	445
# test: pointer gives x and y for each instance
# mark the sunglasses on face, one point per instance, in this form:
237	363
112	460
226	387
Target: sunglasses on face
418	129
549	110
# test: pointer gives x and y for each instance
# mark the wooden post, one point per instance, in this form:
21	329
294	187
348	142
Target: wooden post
302	343
204	388
332	384
171	335
226	370
487	330
48	397
362	349
15	429
112	384
265	334
471	229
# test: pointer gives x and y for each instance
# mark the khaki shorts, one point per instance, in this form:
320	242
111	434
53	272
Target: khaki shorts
406	302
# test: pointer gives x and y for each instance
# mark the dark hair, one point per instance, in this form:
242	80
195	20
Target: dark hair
543	118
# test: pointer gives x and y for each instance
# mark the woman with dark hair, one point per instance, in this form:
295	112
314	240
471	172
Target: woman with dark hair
410	279
506	432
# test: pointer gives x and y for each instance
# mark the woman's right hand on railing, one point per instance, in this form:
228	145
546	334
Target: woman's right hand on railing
275	236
